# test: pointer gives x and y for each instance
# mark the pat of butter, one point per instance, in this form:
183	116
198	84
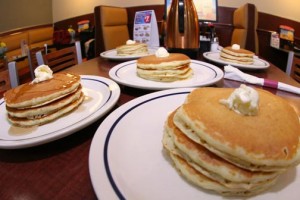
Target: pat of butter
42	73
243	100
161	52
130	42
236	47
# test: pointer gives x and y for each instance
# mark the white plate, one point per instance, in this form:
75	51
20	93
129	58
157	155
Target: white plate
101	95
258	63
204	74
112	54
127	160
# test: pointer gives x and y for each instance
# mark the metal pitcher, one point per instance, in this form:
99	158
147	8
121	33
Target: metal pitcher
182	26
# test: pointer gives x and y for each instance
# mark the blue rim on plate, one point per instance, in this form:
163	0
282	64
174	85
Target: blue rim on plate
114	119
112	54
204	74
110	93
258	63
127	161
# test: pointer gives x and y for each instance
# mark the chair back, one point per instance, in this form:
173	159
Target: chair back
33	59
3	63
111	28
8	77
245	20
295	68
63	58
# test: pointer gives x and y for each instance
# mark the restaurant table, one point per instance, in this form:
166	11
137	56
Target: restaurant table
59	169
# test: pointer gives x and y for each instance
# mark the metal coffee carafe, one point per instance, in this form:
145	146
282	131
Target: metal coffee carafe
182	27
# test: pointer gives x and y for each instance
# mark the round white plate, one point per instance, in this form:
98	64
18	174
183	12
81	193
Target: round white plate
127	160
204	74
101	95
258	63
112	54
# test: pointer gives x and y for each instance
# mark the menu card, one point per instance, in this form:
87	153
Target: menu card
145	28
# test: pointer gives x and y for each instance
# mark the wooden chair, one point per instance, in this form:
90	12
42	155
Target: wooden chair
3	63
32	59
8	77
60	59
295	68
111	28
245	20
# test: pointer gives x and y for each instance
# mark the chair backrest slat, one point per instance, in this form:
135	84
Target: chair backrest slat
295	71
63	58
33	60
8	77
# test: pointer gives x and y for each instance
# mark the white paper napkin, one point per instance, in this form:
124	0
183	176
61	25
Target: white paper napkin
233	73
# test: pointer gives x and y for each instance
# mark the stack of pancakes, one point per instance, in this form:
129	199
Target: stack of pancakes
240	56
174	67
135	49
218	149
33	104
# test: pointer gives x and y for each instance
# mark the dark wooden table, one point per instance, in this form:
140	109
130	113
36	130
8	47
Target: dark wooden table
59	169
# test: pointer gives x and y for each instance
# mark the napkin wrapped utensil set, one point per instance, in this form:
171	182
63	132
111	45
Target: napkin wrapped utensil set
233	73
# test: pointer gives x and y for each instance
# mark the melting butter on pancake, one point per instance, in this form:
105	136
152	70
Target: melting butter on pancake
236	142
169	68
268	141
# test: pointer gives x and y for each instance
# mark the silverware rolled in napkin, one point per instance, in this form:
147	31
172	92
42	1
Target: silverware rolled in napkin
233	73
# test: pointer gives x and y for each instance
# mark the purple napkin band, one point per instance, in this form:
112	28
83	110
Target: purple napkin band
270	83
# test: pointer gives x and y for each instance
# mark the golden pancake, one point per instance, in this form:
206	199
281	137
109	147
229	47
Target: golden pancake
240	56
245	62
212	165
169	62
25	122
165	69
268	141
166	75
36	112
193	176
28	95
238	52
227	185
132	49
241	60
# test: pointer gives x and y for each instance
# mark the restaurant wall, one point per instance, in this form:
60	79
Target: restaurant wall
64	9
24	13
288	9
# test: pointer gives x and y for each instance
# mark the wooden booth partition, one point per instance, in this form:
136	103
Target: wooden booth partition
224	25
268	23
